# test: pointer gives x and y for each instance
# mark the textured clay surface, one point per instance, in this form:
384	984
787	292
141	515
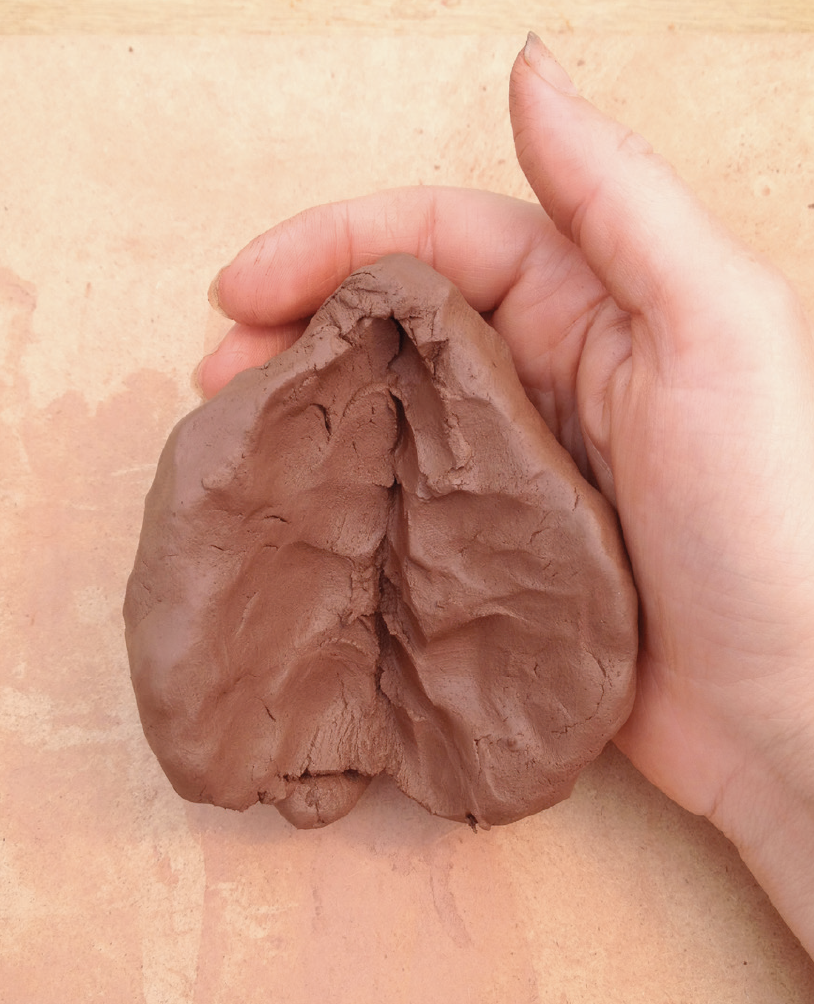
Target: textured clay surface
372	555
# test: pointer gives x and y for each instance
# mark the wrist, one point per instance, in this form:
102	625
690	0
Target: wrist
767	811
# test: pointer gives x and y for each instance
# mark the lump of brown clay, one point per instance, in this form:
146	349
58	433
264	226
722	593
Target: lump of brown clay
372	555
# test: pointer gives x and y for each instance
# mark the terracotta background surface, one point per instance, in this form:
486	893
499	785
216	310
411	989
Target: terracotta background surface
131	169
389	17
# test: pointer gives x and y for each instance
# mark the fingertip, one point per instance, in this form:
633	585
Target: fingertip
213	293
542	62
202	380
196	378
243	347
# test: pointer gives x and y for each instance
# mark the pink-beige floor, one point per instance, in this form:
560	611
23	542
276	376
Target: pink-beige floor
131	170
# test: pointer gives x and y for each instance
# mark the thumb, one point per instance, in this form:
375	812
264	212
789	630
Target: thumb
654	246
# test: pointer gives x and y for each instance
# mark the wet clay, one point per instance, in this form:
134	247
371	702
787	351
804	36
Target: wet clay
372	555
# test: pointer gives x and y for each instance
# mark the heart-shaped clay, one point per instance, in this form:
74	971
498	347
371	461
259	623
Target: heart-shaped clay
372	555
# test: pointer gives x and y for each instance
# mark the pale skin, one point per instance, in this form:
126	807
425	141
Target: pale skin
678	369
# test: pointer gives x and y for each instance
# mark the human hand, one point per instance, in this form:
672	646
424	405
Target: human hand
678	369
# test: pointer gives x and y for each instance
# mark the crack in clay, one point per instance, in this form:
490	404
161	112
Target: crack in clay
427	607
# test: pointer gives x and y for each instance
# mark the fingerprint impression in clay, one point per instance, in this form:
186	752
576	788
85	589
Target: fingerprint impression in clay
371	555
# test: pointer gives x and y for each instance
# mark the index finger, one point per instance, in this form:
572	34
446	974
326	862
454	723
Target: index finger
476	239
